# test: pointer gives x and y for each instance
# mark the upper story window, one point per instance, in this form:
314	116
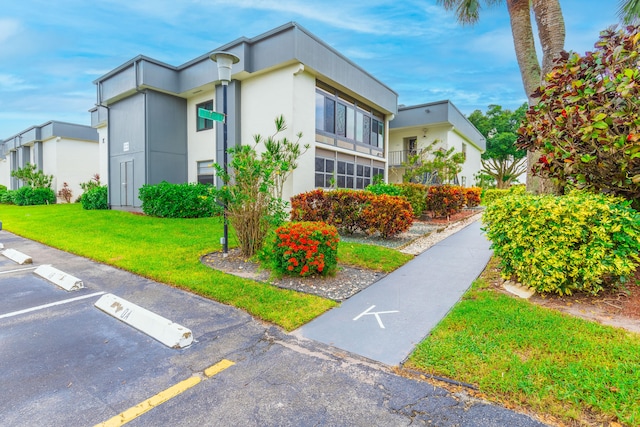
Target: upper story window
337	114
203	124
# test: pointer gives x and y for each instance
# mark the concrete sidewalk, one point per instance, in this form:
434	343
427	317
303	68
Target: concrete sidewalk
385	321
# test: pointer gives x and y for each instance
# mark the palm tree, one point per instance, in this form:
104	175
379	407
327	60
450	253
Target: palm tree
551	34
629	10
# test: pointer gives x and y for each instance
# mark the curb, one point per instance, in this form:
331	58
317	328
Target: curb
157	327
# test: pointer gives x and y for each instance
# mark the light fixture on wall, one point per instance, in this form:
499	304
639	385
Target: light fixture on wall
424	132
224	60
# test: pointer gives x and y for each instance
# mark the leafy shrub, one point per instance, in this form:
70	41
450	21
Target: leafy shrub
491	194
28	196
7	197
416	194
305	248
388	189
313	205
95	198
345	209
388	215
586	121
3	188
564	244
445	200
472	196
168	200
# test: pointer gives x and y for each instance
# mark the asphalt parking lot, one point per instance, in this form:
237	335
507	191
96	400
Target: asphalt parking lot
65	362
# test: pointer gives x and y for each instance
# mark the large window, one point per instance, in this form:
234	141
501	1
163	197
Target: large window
205	172
203	124
339	116
344	174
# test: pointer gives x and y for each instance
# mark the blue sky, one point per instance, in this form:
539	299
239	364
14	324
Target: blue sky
51	51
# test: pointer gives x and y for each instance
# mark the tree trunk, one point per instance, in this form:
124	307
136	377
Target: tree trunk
523	41
551	32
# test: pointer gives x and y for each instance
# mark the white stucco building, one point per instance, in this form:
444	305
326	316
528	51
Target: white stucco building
67	151
149	131
416	127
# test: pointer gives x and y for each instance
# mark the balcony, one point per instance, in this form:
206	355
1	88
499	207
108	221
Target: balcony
397	158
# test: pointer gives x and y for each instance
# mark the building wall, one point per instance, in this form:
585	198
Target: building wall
202	144
447	136
289	92
76	162
5	171
103	150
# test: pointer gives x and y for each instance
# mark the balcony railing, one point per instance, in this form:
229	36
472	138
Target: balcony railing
397	158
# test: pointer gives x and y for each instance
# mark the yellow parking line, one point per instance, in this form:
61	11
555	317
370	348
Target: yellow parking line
218	367
135	411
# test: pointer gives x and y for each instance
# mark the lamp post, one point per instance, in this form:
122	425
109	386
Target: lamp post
224	60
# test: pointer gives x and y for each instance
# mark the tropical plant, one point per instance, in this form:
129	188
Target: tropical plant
551	34
502	160
253	187
433	165
33	177
587	120
629	10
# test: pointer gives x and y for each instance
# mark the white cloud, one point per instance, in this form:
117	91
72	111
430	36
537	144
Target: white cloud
8	28
9	82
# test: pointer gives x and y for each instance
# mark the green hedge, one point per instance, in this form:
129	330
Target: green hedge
168	200
491	194
95	198
564	244
28	196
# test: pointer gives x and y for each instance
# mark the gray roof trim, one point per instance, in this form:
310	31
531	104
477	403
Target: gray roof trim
285	44
51	129
437	113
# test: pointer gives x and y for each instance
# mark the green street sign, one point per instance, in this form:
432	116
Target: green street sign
210	115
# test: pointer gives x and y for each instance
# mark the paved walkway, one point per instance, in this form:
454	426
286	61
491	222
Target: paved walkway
385	321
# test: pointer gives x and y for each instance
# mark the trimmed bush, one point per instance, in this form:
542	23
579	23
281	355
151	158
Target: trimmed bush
388	215
416	194
95	198
445	200
564	244
28	196
305	249
313	205
166	200
351	210
472	196
491	194
346	208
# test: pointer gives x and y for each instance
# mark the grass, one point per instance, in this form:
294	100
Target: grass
165	250
552	363
371	256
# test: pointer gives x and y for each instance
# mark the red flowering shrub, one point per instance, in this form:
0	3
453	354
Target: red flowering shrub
472	196
445	200
388	215
305	248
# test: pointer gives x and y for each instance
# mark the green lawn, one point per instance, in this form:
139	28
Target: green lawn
537	358
169	251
